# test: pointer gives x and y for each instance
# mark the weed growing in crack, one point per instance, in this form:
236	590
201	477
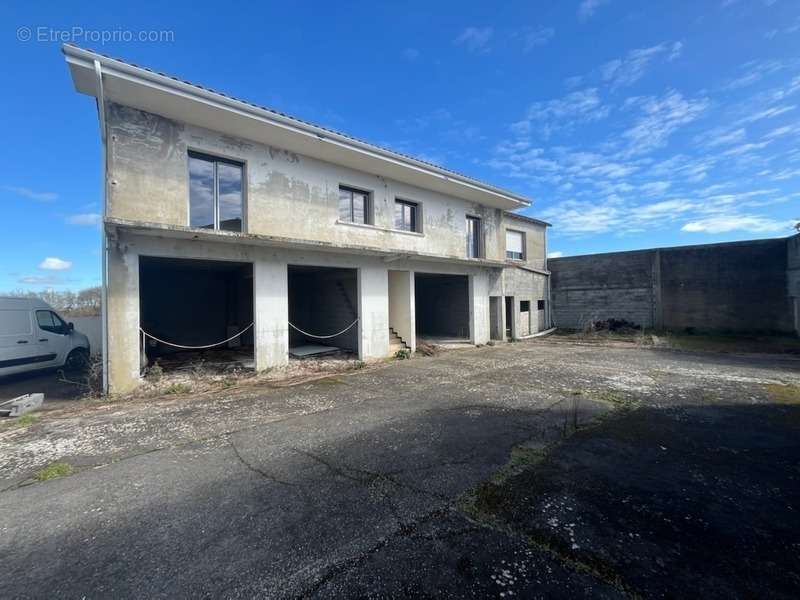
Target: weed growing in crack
53	471
178	388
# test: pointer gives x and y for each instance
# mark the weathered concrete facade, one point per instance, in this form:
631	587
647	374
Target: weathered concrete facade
292	174
288	195
729	287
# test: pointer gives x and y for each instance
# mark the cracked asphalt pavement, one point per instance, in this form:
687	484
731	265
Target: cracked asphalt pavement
374	484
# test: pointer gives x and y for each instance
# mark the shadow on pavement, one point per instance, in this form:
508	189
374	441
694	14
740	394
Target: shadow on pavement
690	500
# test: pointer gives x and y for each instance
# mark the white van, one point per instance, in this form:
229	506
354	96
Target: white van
33	336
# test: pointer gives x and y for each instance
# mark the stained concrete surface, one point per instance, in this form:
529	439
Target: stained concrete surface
47	381
682	466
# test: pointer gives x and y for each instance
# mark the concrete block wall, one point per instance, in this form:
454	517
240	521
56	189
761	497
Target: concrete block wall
595	287
793	277
726	287
737	287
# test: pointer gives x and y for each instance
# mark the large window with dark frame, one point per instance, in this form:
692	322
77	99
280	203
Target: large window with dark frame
474	238
216	193
354	206
405	215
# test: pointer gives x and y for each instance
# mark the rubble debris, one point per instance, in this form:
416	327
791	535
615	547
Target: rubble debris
427	349
21	405
616	325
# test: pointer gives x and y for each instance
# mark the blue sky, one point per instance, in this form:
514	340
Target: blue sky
630	124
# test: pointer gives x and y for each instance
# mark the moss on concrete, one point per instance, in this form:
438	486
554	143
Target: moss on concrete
783	394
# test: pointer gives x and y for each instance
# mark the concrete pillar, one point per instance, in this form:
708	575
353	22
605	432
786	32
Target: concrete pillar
402	306
479	308
122	313
373	312
271	313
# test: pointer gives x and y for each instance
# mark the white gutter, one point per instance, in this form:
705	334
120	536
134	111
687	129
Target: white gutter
101	110
123	70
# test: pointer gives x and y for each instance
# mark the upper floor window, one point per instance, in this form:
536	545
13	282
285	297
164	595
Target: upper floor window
474	238
515	245
405	215
216	193
354	206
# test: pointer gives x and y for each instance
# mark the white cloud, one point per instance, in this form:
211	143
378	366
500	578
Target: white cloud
745	148
735	222
476	39
587	8
720	137
754	71
533	38
40	280
655	187
781	131
52	263
660	119
581	106
575	217
675	52
555	254
411	53
31	194
768	113
90	219
626	71
661	211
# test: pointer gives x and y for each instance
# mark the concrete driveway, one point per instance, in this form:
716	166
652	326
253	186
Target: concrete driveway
460	475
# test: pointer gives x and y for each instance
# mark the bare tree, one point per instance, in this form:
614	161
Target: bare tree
83	303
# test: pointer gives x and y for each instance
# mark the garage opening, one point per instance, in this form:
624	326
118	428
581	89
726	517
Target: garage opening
442	307
187	307
323	311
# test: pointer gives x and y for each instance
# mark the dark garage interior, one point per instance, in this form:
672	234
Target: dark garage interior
196	303
322	301
442	306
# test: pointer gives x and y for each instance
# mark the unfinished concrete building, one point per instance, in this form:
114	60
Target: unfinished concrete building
223	220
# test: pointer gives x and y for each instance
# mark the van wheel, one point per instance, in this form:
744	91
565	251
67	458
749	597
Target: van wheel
77	360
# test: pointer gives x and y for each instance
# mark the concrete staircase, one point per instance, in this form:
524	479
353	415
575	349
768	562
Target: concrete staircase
396	343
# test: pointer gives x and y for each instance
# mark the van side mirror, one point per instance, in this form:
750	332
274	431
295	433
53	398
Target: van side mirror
71	326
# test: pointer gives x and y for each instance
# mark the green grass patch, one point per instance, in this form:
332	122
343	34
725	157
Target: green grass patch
783	394
21	422
53	471
758	344
178	388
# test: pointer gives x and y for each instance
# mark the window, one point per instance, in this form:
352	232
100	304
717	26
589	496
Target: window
405	215
515	245
354	206
524	306
50	321
540	305
215	193
474	245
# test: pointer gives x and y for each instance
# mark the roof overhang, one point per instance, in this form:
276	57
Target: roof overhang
114	227
185	102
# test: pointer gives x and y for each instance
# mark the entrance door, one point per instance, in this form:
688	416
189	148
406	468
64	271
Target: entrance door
510	317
